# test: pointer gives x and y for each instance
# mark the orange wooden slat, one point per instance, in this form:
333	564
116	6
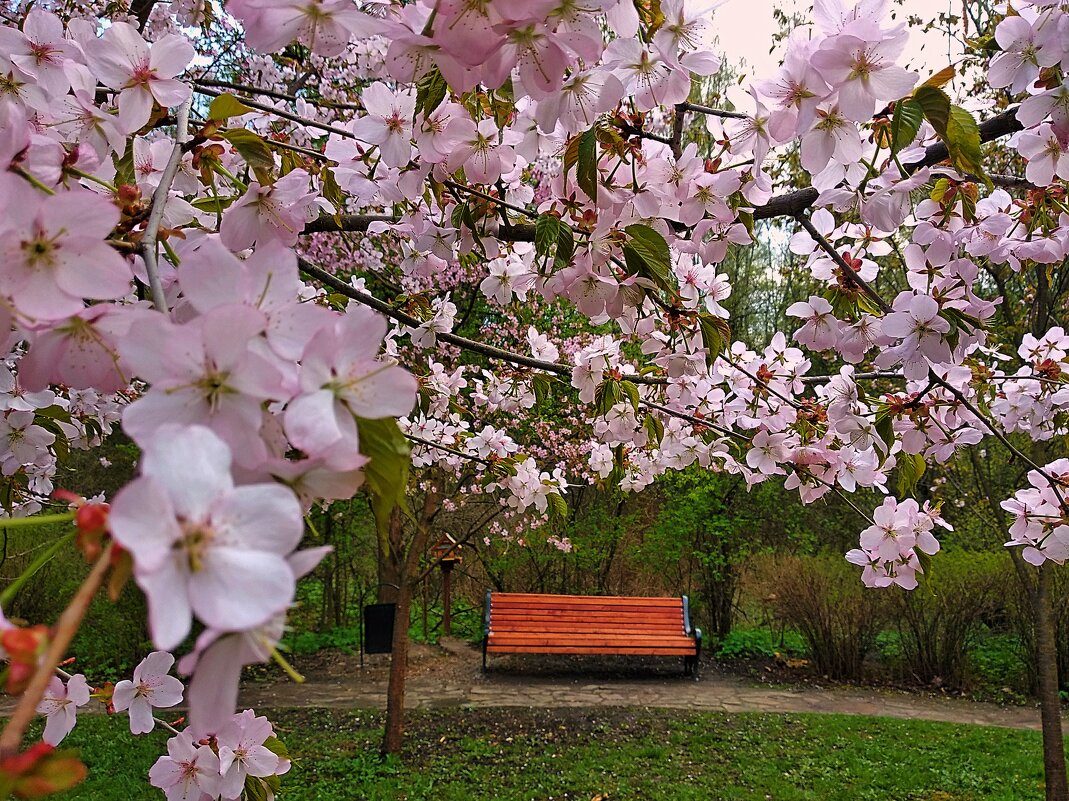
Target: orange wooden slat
541	625
593	640
631	599
625	651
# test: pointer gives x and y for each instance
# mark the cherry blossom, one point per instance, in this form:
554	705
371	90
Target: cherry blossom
150	688
142	73
189	771
60	706
192	533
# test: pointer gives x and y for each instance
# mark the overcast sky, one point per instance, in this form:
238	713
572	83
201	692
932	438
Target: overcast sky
745	29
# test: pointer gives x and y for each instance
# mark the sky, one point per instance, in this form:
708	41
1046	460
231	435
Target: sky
745	29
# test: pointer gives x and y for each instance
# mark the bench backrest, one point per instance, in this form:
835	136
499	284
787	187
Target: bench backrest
582	614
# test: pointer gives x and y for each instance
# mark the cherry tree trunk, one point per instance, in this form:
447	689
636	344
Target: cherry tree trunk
394	733
1049	698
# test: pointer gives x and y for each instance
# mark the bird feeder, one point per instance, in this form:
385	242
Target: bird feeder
447	553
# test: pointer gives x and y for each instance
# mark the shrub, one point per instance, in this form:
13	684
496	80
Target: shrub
823	599
1022	619
940	622
743	643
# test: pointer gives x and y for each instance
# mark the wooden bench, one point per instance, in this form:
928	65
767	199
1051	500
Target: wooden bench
529	623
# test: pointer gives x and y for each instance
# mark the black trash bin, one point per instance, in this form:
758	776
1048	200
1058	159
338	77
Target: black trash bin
378	628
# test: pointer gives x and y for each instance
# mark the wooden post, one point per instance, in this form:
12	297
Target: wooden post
447	598
426	600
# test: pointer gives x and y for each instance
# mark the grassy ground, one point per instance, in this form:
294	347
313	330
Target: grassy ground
610	755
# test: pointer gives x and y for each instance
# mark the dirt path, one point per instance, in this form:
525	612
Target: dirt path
451	677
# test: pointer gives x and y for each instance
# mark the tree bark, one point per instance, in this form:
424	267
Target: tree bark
406	562
394	733
1049	698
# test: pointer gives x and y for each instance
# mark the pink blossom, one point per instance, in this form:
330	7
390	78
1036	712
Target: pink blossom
265	214
821	330
195	537
151	687
324	26
482	150
1047	153
388	123
189	772
341	379
863	71
242	753
52	251
60	706
215	371
40	50
142	73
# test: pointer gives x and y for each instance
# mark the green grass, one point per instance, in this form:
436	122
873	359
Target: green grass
532	755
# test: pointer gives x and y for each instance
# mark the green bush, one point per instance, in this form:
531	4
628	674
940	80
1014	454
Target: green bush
823	599
940	622
113	638
758	643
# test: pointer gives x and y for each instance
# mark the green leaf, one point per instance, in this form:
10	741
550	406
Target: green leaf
606	395
905	123
941	78
565	246
547	233
586	168
124	167
331	191
288	162
654	427
387	473
430	92
631	390
213	205
255	151
646	253
571	154
715	335
910	468
885	427
277	747
963	142
936	106
226	106
540	383
558	507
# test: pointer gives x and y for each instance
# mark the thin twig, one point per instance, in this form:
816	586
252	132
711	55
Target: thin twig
65	629
713	112
159	206
259	90
447	449
286	115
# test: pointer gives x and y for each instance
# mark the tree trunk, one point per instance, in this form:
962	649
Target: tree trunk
1049	698
394	733
405	561
391	562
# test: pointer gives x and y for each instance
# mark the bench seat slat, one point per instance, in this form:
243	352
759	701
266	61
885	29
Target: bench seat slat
588	624
600	650
534	597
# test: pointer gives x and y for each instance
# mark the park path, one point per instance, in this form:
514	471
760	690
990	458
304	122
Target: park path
509	685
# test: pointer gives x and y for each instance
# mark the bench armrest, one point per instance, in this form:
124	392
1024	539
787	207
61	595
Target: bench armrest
686	617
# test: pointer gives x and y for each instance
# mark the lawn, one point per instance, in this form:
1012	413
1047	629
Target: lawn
611	755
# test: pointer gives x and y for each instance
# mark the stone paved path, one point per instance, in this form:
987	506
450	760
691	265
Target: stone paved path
507	686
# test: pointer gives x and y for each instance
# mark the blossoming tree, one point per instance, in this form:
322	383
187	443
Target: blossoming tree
240	233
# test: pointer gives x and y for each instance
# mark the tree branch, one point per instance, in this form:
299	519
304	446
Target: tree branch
65	629
159	205
489	351
793	203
